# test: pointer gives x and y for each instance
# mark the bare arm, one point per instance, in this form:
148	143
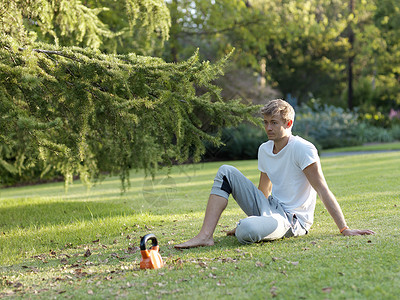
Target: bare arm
265	184
317	180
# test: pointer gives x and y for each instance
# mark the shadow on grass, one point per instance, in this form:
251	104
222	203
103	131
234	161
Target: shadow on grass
43	213
56	213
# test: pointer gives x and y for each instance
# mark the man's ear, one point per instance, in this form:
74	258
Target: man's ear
289	124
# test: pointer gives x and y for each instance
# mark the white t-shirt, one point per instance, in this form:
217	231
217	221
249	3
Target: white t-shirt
289	184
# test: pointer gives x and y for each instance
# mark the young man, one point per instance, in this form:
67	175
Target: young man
284	202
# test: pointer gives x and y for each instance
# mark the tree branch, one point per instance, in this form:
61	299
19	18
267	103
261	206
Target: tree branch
47	52
233	26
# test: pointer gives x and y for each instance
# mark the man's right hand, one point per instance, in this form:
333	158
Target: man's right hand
231	232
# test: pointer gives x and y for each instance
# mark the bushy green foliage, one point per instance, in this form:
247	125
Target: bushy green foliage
305	43
86	23
373	98
331	127
368	133
78	111
239	143
395	132
328	126
83	112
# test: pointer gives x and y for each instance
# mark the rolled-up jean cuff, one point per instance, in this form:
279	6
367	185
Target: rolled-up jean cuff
217	191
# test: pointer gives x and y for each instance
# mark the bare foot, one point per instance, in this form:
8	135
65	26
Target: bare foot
195	242
231	232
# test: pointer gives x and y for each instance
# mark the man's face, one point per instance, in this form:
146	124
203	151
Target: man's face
276	127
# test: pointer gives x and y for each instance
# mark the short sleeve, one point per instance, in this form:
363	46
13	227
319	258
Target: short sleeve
307	155
260	161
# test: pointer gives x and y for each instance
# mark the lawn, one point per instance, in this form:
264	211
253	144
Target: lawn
84	243
373	147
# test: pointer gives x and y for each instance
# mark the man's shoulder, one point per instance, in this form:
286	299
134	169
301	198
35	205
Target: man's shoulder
266	145
299	141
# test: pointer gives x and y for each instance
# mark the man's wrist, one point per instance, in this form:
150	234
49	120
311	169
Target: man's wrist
344	228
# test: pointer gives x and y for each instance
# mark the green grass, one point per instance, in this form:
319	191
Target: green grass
368	147
45	233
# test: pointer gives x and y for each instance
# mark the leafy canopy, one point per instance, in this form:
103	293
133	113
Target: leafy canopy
78	111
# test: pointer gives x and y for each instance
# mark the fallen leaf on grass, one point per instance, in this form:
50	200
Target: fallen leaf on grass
96	241
18	285
211	275
181	280
276	258
40	291
31	269
202	264
87	253
160	284
41	257
64	261
133	249
80	273
327	289
273	291
259	264
227	260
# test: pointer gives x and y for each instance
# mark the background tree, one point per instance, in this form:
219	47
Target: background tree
378	57
305	44
77	111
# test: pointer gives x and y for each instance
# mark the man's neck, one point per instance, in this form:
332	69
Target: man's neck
280	144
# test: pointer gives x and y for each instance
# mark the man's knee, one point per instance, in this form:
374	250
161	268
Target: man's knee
255	229
225	169
224	172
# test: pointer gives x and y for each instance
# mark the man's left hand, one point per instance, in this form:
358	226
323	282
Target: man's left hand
349	232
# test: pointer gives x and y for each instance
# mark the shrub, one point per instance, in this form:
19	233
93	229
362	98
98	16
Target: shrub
240	142
328	126
395	132
368	133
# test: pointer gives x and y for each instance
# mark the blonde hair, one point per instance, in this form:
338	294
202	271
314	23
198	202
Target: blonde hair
279	106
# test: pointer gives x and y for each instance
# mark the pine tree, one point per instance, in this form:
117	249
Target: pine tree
82	112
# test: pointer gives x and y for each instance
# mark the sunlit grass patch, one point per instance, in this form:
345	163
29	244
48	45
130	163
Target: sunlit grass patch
84	243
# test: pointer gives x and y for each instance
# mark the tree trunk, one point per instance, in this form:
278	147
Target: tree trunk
350	103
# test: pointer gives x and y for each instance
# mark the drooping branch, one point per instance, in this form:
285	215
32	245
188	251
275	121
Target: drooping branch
222	30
